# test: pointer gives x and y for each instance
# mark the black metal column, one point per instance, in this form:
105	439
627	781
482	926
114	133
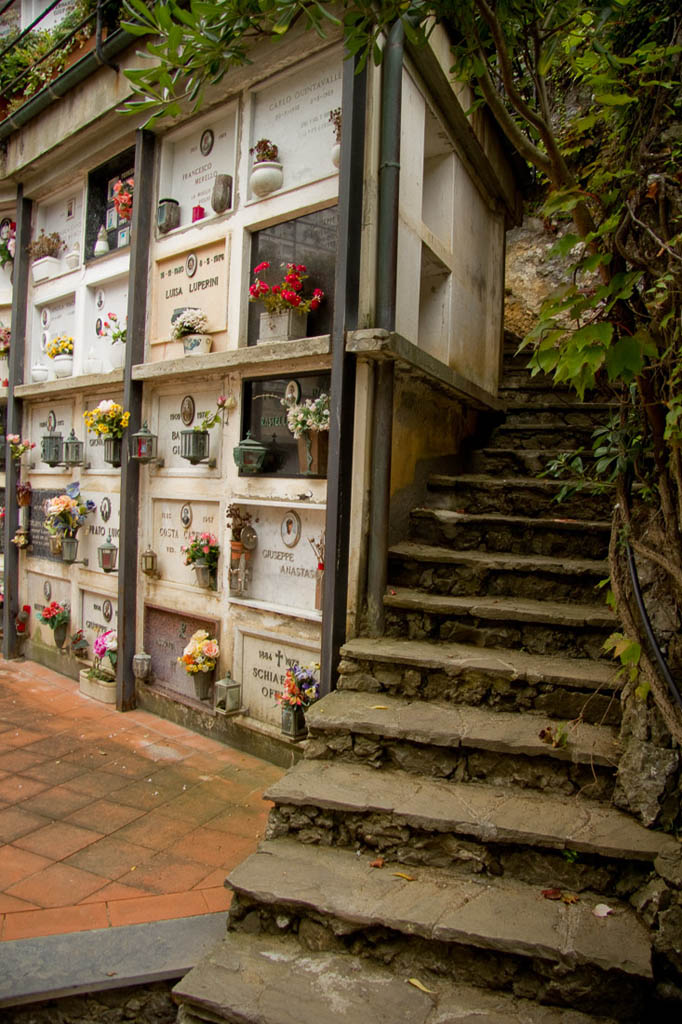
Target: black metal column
132	401
11	644
346	289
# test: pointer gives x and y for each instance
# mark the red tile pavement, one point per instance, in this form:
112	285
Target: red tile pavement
111	819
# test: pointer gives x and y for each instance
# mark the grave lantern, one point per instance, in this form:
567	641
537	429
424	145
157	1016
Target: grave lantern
249	455
73	450
227	695
51	446
144	445
149	562
107	555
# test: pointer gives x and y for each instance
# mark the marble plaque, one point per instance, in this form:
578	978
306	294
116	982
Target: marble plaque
261	661
41	589
166	634
102	300
99	613
283	564
173	524
182	412
49	321
40	538
294	114
190	160
65	216
56	418
197	279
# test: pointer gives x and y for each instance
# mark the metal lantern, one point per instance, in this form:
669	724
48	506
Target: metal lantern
195	445
107	555
148	562
51	449
227	695
73	450
144	445
70	550
249	455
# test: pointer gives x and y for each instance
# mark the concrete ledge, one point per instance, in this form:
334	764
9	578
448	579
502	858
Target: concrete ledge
377	343
275	357
65	385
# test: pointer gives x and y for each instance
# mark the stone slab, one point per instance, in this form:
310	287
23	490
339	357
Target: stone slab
61	965
496	914
445	515
257	979
497	560
505	609
454	659
493	814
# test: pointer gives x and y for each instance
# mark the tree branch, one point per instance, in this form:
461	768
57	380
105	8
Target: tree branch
526	148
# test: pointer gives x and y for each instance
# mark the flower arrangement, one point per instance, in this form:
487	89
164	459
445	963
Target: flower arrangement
5	339
114	329
18	445
201	653
62	345
21	539
264	151
22	619
190	321
78	644
278	298
54	614
311	415
237	517
223	405
335	121
123	198
301	688
65	514
8	245
204	548
104	647
45	245
107	419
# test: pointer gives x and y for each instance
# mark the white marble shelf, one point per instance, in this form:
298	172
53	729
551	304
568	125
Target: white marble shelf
316	506
64	385
273	357
280	609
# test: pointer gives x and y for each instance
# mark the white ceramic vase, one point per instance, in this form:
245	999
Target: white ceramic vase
44	268
63	366
117	355
266	177
197	344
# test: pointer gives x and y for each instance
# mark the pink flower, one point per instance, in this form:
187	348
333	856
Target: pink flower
211	649
206	549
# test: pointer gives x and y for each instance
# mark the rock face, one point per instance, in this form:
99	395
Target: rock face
449	848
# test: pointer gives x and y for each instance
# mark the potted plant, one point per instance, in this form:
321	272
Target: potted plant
199	660
57	617
99	681
123	198
44	251
309	423
18	446
118	332
190	326
64	516
108	420
301	689
236	518
286	311
335	121
266	173
195	442
60	351
202	553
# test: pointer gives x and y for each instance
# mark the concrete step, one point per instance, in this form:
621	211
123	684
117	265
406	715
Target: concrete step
503	680
274	979
463	743
419	822
468	492
539	627
513	534
567	415
444	909
517	461
554	437
442	570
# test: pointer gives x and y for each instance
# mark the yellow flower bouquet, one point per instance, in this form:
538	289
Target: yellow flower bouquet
108	419
62	345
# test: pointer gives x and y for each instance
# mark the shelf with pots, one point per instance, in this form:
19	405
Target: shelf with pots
44	253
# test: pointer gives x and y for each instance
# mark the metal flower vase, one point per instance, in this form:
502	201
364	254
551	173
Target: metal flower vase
313	451
112	451
60	631
204	575
293	722
203	681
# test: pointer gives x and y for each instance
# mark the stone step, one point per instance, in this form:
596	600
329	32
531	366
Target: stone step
512	534
516	496
443	570
502	680
516	461
554	437
574	414
539	627
276	979
343	893
414	822
463	743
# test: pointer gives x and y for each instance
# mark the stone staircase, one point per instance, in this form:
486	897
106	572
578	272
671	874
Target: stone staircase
439	854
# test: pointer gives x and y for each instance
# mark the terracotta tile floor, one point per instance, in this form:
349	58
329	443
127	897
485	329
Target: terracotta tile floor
112	819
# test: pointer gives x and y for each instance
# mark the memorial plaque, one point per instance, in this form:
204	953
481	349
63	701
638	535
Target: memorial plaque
39	586
49	321
197	279
40	538
190	160
182	412
294	114
99	613
284	563
65	216
166	635
102	300
261	662
50	419
173	524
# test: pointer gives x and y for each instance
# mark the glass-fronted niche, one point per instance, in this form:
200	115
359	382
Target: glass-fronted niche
265	418
310	240
109	210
